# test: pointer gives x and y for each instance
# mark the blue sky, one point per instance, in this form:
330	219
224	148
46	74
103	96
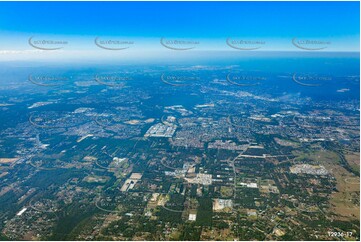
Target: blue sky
211	23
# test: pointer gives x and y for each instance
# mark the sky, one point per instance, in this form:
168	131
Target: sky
269	26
